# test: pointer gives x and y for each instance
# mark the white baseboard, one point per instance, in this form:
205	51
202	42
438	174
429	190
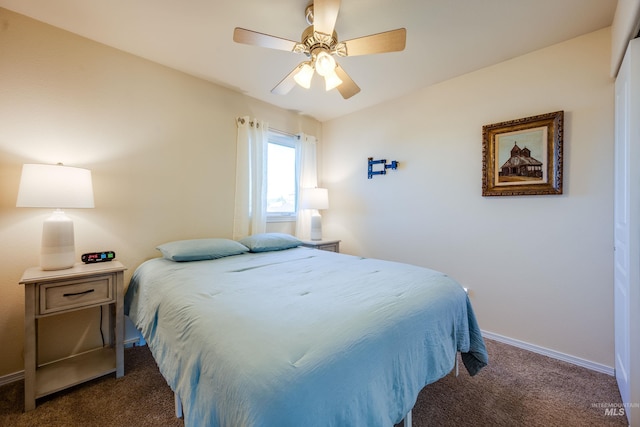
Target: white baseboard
19	376
11	378
551	353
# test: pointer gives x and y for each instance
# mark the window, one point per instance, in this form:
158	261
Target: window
282	186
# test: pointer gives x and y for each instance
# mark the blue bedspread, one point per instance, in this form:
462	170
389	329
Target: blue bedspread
301	337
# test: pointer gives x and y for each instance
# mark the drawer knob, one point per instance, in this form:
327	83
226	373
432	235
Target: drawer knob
72	294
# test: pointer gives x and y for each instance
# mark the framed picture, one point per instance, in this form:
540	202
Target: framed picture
523	157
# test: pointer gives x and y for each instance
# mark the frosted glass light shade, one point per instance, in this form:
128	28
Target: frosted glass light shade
304	76
332	81
56	186
325	63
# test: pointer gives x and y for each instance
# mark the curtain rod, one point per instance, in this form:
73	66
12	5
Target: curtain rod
281	132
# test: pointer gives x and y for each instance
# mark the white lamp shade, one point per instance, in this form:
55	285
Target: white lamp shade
55	186
315	198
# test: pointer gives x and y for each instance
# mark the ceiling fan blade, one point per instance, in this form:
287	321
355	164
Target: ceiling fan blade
286	84
389	41
241	35
325	13
348	88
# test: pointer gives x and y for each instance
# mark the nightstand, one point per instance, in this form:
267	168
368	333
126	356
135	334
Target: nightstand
49	293
323	245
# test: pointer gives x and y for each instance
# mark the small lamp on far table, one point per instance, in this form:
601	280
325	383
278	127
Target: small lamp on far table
317	199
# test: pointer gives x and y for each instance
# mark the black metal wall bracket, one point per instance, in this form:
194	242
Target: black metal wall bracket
383	162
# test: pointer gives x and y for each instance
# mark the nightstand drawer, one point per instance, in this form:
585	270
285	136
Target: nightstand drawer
73	294
332	247
323	245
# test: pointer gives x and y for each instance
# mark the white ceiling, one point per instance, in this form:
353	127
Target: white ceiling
445	38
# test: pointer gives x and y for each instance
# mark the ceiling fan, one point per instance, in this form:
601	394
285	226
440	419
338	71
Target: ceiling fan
320	43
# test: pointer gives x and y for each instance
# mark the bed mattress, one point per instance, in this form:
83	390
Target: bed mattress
301	337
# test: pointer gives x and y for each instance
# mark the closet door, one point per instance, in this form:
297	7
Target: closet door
627	232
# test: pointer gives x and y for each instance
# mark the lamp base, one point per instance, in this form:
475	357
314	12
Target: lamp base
58	250
316	227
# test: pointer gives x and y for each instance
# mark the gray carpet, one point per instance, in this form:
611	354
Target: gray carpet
518	388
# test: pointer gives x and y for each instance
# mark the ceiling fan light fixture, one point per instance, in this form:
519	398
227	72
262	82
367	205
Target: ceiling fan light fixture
320	44
325	63
332	80
304	75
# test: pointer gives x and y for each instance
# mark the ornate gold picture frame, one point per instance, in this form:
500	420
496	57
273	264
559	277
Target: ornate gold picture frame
523	157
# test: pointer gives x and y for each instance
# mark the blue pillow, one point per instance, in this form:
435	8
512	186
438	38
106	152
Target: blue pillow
200	249
266	242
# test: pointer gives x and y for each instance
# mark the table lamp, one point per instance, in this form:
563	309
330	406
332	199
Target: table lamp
315	198
56	186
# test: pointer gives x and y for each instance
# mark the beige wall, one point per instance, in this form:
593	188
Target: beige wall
161	145
539	267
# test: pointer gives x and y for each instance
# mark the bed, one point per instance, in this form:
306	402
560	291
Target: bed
265	332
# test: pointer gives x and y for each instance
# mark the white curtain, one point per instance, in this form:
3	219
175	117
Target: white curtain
307	178
251	183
